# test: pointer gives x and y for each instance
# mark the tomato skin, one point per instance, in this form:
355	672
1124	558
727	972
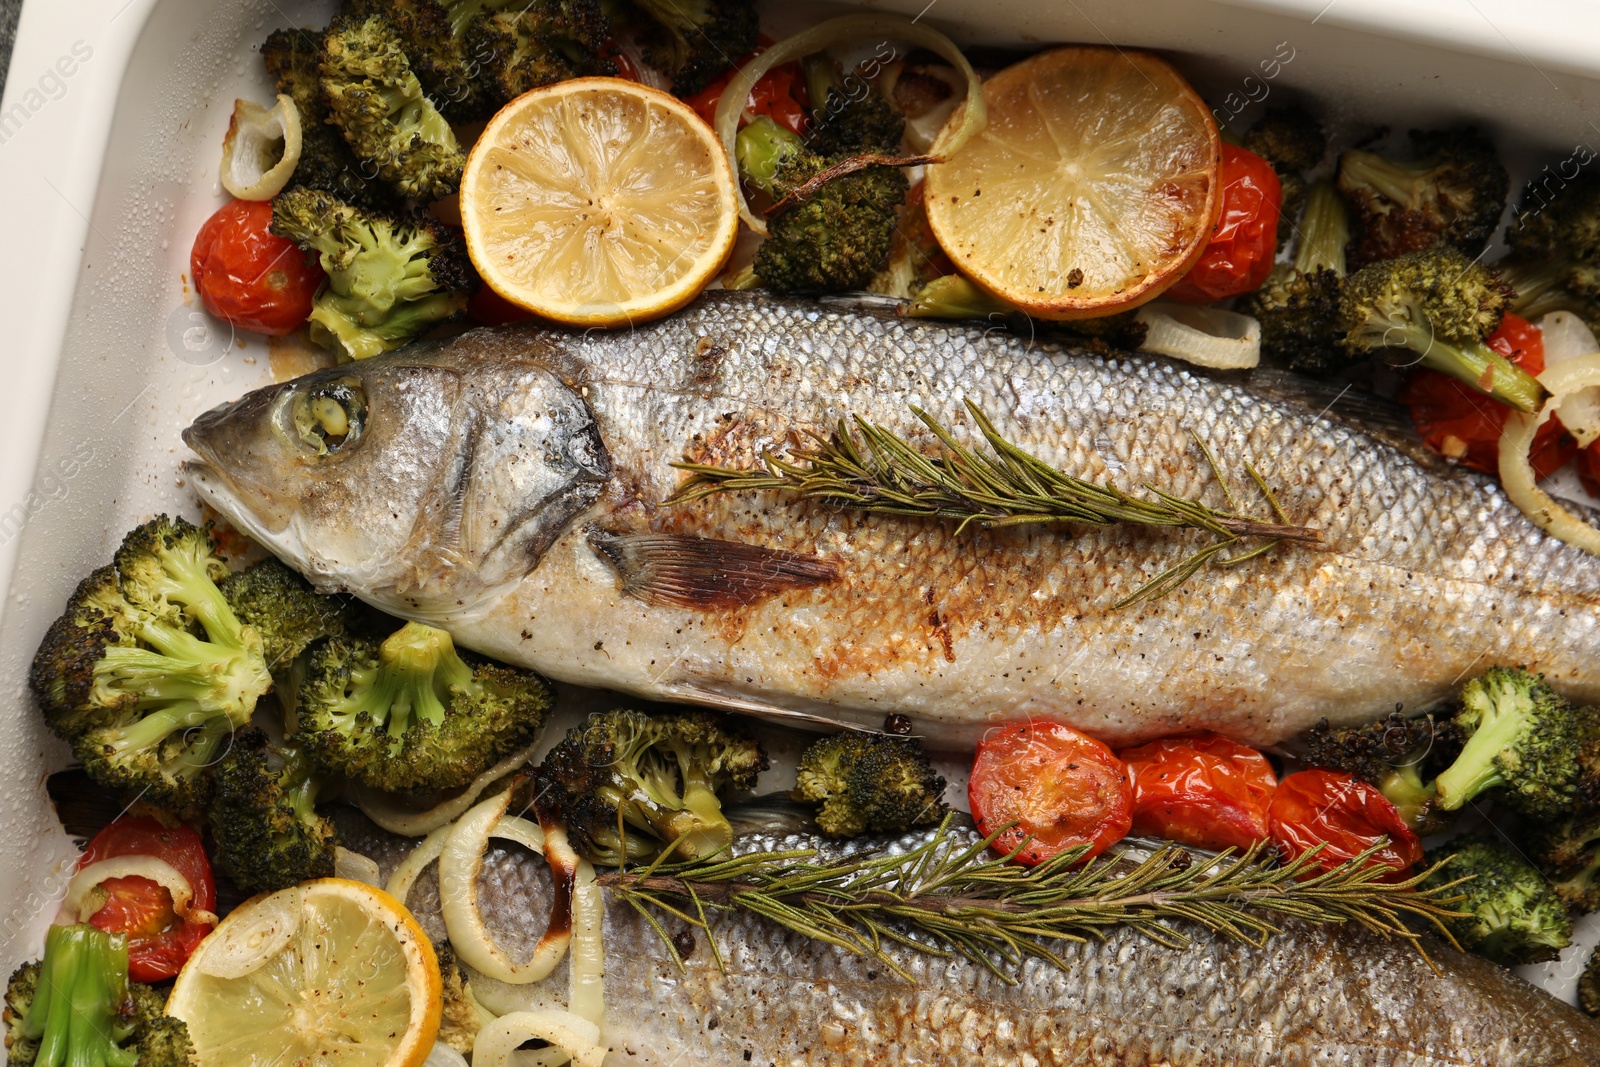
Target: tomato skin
1348	814
1205	791
780	95
158	941
1457	421
249	276
1062	787
1239	255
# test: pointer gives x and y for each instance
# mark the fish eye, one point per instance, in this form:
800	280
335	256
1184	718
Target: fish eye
331	416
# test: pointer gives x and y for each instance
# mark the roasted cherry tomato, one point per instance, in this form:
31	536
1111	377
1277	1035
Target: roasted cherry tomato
250	276
1239	255
1061	787
1312	807
1204	791
158	940
780	95
1458	421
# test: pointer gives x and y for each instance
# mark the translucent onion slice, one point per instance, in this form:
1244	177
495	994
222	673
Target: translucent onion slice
356	867
1516	472
1567	337
395	817
444	1056
261	149
1206	337
962	125
416	861
79	904
576	1038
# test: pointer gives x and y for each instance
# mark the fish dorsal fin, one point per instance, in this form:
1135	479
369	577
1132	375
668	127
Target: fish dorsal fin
705	572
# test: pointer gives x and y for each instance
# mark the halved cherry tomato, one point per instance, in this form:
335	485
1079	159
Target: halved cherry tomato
1457	421
1311	807
1239	256
1061	787
1205	791
780	95
158	941
250	276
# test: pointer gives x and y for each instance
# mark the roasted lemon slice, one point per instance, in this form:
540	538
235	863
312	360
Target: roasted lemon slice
598	202
1093	187
332	973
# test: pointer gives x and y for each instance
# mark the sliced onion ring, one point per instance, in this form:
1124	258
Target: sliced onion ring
1567	337
253	165
416	861
575	1037
966	122
157	870
1516	472
356	867
398	819
1206	337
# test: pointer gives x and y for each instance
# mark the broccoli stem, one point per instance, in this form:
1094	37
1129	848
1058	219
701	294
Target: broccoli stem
953	297
708	830
1410	795
1471	364
1476	769
82	983
1401	182
761	148
1324	232
417	669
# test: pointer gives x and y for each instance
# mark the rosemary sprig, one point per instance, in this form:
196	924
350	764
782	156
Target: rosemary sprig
997	913
875	469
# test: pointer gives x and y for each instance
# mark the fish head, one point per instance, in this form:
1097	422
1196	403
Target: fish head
424	482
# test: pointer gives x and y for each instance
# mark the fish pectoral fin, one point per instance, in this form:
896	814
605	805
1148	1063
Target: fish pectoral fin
705	572
712	695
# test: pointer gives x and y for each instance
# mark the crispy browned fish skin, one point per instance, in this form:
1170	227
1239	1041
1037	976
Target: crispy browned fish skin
1429	574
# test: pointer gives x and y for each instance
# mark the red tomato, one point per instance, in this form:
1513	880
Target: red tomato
1239	256
780	95
158	941
1204	791
1457	421
1061	787
490	308
250	276
1311	807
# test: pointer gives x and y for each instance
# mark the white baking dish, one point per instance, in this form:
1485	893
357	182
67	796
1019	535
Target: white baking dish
109	137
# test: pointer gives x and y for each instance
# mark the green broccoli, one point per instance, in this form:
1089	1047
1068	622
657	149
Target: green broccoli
1298	307
265	831
285	610
1292	141
1520	737
1442	306
1543	286
461	1016
869	782
631	784
1392	754
1452	195
149	671
437	54
848	120
1513	916
389	278
410	714
1567	851
524	46
77	1008
839	237
1589	985
1555	250
693	41
378	104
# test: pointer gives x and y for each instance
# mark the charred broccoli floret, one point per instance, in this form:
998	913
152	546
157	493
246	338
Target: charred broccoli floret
1568	852
1513	916
284	609
523	46
848	120
1292	141
1298	307
693	41
1394	754
1589	985
378	104
1441	306
631	784
1520	737
389	278
460	1017
149	671
77	1008
1555	249
869	782
437	54
1544	286
836	239
265	830
1452	194
410	714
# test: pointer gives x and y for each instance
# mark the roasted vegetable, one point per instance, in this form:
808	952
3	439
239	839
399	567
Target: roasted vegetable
1298	307
1451	194
265	830
77	1008
1513	916
389	277
523	46
1394	754
410	714
693	41
1293	142
869	782
285	610
1568	853
1589	985
1520	738
632	784
149	671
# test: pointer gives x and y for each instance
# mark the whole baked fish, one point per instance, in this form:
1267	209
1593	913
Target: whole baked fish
1311	995
511	485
